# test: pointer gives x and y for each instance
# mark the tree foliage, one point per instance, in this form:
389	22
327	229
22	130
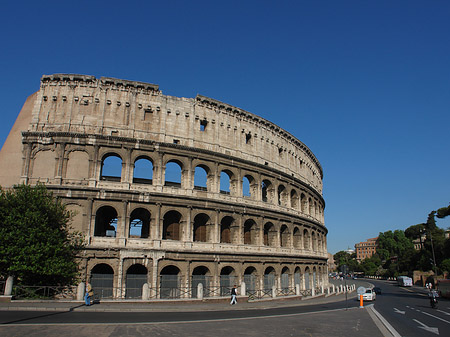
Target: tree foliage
36	246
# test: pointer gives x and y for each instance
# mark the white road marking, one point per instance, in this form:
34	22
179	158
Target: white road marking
399	311
427	328
426	313
444	312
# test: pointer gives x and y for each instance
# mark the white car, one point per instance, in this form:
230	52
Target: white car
369	295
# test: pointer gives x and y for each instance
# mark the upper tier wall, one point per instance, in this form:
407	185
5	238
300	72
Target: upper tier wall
108	106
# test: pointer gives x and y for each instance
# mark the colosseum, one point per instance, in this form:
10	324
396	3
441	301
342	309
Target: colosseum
172	192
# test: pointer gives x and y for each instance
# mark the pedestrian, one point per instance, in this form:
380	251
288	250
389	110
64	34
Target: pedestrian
89	295
233	295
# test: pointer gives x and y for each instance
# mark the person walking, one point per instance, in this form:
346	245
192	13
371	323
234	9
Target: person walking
89	295
233	295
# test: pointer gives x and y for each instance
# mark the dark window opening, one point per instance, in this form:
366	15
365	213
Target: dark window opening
203	124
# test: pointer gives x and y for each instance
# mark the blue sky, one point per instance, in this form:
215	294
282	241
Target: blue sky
364	84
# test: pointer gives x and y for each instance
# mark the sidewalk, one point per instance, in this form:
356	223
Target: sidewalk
166	305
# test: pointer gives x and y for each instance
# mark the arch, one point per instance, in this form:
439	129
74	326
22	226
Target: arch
281	193
266	188
269	279
77	165
307	278
311	206
139	223
250	279
285	281
251	190
250	232
313	241
225	181
106	221
136	277
298	276
171	226
170	280
285	236
227	280
306	240
226	230
173	173
270	235
297	236
201	177
201	228
102	280
201	274
303	203
111	167
143	170
294	199
246	191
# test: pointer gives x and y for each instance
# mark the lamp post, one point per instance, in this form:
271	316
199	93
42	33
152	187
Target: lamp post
434	257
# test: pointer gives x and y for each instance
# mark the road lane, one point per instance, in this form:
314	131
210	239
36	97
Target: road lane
408	311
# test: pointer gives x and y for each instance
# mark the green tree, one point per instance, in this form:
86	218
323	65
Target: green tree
36	245
415	231
343	258
443	212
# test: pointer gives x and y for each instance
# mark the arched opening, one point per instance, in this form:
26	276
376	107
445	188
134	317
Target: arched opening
250	279
297	238
307	279
298	277
227	280
170	280
313	241
249	232
266	186
201	178
201	275
171	226
106	222
269	280
303	203
281	195
225	178
111	167
173	174
201	228
285	238
285	281
140	223
306	243
135	279
246	192
143	171
226	230
270	235
294	200
102	278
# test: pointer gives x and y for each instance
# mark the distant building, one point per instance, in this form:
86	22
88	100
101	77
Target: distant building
418	243
349	251
366	249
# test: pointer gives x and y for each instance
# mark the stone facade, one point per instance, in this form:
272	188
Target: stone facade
171	192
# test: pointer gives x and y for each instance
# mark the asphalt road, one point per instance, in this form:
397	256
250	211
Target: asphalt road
306	320
408	310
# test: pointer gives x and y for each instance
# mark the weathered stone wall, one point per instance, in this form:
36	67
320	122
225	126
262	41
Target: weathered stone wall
155	226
